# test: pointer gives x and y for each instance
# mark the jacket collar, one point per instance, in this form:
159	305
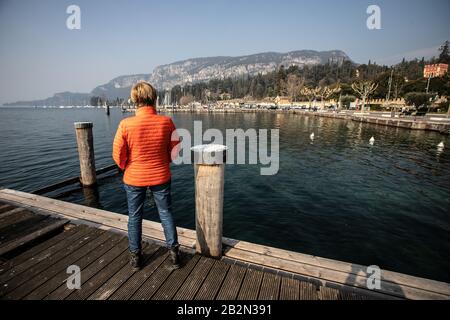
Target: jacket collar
146	111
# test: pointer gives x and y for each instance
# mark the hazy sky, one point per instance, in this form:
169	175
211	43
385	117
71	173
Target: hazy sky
40	56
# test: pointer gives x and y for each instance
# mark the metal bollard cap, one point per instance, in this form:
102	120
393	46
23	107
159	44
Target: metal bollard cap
210	154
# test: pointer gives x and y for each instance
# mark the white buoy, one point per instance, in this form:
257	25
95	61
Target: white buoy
441	145
372	141
312	136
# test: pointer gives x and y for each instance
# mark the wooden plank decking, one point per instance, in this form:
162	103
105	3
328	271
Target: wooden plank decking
40	271
43	237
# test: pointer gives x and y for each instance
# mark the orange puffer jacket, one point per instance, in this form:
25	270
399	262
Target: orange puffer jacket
144	147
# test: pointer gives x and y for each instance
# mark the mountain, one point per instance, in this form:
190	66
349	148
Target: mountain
118	87
204	69
200	70
58	99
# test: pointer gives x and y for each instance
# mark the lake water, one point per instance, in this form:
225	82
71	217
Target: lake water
339	197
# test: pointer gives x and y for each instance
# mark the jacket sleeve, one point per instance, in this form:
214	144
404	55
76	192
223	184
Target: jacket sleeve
120	148
174	144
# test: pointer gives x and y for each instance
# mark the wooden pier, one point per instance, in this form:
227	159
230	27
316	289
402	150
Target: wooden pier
41	237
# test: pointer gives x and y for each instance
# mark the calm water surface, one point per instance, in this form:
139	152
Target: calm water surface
339	197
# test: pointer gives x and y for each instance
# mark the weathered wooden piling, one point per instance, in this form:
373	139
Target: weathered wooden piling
85	142
209	166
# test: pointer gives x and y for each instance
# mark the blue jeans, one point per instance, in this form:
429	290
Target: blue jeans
136	199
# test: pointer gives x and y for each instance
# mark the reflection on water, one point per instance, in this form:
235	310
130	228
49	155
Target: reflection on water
338	197
91	197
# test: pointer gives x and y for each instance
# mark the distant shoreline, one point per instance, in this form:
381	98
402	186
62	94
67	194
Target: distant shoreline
432	122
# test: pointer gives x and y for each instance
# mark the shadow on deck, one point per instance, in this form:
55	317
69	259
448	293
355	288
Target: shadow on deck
37	250
41	237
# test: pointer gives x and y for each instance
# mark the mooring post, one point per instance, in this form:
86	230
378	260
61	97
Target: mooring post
85	142
107	110
209	166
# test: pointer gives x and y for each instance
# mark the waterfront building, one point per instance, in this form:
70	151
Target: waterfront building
435	70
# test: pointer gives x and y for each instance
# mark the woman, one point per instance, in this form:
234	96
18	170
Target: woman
144	147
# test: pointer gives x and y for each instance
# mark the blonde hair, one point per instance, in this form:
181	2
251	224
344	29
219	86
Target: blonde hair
143	94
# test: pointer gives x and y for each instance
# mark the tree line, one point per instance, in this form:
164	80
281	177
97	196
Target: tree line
331	80
407	77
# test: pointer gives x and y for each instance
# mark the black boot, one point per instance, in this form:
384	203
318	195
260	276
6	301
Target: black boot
136	261
175	257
